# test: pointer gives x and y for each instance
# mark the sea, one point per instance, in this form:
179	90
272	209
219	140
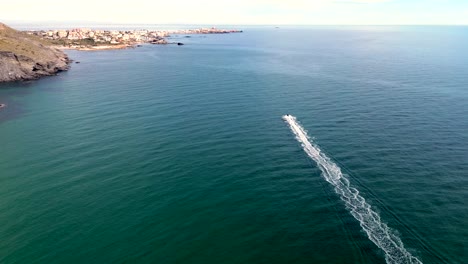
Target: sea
290	144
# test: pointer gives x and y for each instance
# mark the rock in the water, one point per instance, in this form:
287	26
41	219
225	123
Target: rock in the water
160	41
180	43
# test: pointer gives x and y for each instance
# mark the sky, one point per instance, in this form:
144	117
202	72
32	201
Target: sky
240	12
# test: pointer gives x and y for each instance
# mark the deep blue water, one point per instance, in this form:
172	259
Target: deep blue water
178	154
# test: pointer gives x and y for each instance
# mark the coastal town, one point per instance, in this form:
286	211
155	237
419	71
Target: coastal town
88	39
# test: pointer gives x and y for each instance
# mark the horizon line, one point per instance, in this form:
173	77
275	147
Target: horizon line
213	24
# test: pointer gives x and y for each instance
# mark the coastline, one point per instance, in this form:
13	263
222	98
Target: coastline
95	48
29	55
24	57
94	39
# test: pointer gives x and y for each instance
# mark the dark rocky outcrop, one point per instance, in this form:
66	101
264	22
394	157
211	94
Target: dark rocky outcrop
26	57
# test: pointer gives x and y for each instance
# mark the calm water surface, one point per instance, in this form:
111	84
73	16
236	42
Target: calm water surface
167	154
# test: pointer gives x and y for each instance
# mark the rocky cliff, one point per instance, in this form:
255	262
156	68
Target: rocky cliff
27	57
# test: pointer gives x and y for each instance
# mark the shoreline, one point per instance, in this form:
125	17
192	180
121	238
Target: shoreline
112	46
41	52
93	39
96	48
24	57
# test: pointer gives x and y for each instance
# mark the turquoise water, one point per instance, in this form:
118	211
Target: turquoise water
168	154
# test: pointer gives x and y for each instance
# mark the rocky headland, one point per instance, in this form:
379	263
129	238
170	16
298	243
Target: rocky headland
27	57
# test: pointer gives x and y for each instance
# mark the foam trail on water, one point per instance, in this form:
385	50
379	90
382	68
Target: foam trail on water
378	232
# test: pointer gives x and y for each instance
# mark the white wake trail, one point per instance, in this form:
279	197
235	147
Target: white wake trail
378	232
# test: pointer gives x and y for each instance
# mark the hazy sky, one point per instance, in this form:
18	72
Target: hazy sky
320	12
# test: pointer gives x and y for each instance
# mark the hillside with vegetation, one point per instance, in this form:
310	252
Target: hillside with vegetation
27	57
